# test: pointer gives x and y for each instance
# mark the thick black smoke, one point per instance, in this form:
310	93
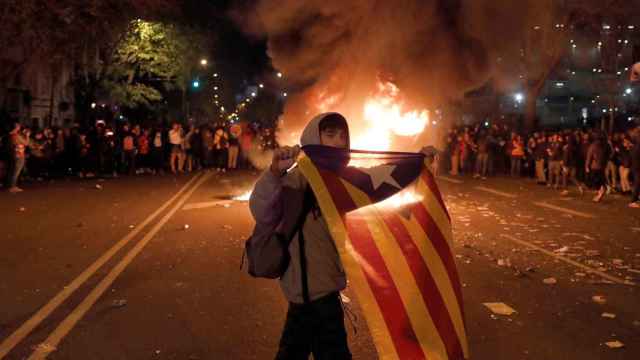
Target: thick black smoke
334	51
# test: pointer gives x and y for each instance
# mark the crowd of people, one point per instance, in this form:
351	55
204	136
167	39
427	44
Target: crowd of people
42	154
586	158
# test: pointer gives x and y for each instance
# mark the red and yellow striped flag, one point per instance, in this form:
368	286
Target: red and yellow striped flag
397	253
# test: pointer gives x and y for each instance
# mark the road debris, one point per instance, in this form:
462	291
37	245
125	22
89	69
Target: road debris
186	227
608	315
504	262
22	209
118	303
345	298
45	348
599	299
98	186
131	226
562	250
550	281
615	344
500	308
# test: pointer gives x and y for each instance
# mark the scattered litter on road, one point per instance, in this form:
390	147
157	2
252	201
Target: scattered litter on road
550	281
599	299
119	303
636	323
584	236
500	308
633	271
617	262
614	344
186	227
158	352
504	262
608	315
131	226
562	250
592	253
636	229
45	348
22	209
98	186
226	206
227	227
579	274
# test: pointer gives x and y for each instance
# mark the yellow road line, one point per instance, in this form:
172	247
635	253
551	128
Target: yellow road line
71	320
23	331
604	275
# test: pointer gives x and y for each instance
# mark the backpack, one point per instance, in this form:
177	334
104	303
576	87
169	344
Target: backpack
267	250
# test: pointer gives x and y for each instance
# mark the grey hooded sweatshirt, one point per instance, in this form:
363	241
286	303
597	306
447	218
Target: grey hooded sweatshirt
325	273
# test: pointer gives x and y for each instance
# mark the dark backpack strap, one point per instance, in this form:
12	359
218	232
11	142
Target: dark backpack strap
307	206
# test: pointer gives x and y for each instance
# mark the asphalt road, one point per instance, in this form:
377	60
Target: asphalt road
87	272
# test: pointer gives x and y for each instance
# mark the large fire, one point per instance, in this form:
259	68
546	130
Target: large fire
384	115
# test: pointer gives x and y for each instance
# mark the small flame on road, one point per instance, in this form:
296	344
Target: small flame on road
244	196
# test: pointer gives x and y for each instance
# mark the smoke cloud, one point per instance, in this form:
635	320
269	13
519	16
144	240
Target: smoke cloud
333	52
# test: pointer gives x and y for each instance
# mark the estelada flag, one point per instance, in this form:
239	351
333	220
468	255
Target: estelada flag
393	234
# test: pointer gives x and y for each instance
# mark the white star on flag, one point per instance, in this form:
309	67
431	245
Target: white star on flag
382	174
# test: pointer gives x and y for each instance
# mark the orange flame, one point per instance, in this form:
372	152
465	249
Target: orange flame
384	115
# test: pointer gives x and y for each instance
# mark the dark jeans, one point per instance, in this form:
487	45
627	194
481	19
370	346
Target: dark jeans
315	328
635	188
16	169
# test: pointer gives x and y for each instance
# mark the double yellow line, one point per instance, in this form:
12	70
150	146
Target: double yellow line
70	321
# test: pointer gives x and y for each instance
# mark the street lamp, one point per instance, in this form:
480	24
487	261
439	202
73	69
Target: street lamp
204	62
279	74
261	86
628	91
519	97
196	84
93	105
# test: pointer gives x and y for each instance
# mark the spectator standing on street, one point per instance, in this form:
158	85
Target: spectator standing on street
177	152
196	148
595	165
144	151
624	155
157	151
517	154
569	165
482	157
611	171
18	144
129	149
540	154
221	146
234	146
554	152
188	151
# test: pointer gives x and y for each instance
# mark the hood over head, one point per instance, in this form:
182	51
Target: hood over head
311	133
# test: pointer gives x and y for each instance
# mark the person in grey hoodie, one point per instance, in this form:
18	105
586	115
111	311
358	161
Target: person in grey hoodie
315	275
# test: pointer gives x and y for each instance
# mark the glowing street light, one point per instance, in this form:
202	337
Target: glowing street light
628	91
253	94
279	74
215	75
93	105
261	86
284	94
196	84
519	97
204	62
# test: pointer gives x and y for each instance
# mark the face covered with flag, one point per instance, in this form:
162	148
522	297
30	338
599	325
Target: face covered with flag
397	256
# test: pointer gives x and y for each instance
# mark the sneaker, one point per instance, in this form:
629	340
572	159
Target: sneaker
564	193
608	190
581	190
635	205
15	189
599	196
